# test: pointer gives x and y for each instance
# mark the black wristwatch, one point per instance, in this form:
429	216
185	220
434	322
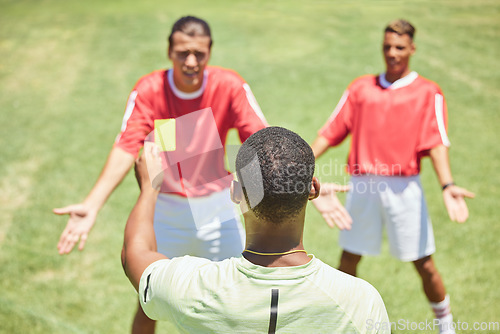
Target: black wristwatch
447	185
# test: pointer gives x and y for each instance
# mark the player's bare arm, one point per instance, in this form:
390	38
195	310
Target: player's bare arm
83	215
319	146
139	246
453	196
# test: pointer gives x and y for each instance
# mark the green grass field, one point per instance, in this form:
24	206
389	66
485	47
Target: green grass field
68	67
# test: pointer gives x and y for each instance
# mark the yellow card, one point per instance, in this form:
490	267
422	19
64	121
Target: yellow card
165	134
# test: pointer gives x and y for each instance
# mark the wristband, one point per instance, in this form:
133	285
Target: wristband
447	185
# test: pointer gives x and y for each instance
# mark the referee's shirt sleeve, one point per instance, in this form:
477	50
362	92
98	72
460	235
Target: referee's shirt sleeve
167	286
153	291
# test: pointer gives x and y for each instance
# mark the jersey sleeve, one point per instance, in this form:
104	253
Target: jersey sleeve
338	125
153	297
248	117
368	316
434	124
376	320
138	120
166	284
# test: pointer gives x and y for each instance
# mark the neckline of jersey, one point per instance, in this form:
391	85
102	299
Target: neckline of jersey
276	273
400	83
183	95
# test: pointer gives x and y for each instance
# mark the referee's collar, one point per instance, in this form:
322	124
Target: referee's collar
403	82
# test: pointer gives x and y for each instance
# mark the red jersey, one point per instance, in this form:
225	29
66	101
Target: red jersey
195	167
392	125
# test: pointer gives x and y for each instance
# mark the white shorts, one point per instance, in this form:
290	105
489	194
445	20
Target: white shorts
395	202
208	227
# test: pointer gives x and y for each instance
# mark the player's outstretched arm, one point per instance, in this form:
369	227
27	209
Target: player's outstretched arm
453	196
139	245
330	207
319	146
328	203
454	200
82	216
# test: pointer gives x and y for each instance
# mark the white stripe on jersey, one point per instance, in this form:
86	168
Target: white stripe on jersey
253	103
438	106
129	109
339	106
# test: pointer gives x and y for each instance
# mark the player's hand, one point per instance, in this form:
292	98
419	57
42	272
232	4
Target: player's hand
81	220
148	167
454	200
330	207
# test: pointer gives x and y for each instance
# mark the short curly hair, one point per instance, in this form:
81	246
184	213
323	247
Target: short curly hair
275	167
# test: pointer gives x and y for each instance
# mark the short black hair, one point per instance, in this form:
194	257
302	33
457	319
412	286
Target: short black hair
401	27
275	167
191	26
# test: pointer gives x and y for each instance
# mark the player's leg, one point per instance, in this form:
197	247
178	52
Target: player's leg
411	238
431	279
142	324
436	293
349	263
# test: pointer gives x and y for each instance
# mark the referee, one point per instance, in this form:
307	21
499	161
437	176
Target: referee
274	285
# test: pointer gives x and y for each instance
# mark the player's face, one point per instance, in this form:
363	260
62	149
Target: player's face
189	56
397	51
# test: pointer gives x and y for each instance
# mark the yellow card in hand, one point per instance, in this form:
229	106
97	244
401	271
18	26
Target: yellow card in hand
165	134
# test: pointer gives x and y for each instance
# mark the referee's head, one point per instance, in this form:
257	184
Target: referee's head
275	168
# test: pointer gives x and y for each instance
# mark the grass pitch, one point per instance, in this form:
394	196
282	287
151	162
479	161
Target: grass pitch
68	67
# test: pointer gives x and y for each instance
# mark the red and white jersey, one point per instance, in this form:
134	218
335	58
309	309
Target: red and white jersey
392	125
202	119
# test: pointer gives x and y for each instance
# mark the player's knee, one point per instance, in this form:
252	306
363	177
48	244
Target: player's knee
350	258
425	266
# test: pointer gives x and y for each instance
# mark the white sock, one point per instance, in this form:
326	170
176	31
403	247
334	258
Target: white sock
442	311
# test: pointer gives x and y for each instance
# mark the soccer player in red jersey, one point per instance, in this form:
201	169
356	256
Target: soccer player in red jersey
189	109
394	119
